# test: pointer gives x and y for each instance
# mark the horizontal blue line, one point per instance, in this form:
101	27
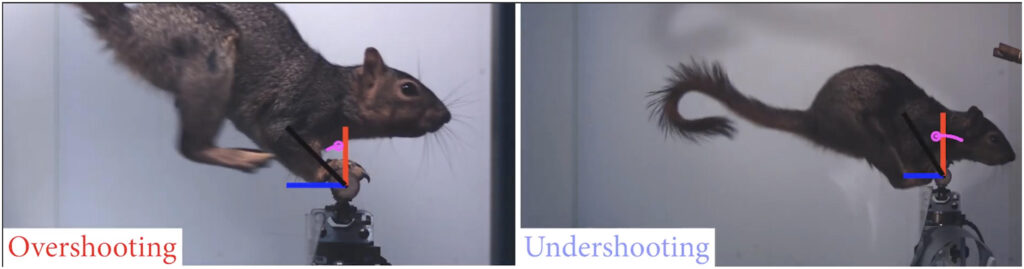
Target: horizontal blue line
314	185
921	175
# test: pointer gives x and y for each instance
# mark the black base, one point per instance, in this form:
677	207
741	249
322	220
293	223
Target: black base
335	254
350	241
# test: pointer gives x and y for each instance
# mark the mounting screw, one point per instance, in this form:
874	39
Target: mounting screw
364	233
366	220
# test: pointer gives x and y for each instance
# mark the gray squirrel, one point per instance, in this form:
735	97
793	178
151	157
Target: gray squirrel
247	63
858	113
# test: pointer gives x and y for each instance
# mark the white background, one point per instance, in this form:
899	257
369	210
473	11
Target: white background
774	199
111	139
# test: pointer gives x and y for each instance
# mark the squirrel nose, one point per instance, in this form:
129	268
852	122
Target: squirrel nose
446	116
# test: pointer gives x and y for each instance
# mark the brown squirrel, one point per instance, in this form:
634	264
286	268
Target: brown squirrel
858	112
247	63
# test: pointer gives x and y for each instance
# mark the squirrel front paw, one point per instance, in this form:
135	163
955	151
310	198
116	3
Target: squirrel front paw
356	173
943	182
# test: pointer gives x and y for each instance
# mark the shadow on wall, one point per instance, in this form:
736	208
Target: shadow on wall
685	28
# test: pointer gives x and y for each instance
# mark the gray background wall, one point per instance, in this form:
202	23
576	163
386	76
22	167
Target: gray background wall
30	90
100	151
775	199
548	110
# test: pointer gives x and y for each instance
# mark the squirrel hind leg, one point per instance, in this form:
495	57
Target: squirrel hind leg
202	90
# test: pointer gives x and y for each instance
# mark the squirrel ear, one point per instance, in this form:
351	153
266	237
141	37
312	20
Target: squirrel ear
972	116
373	64
974	111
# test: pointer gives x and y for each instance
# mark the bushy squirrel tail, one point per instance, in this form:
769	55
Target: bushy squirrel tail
712	80
110	20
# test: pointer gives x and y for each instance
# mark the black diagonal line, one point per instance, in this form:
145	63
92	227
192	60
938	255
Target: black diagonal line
315	156
917	136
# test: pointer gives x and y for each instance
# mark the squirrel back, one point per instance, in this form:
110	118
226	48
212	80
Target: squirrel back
276	77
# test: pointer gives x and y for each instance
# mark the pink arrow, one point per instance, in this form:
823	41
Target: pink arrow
936	136
338	146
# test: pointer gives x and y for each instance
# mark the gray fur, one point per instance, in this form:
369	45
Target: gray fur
247	63
858	112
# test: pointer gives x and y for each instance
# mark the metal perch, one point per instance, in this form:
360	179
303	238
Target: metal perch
1006	52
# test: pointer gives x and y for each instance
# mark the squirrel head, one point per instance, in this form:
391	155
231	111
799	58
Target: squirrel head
391	103
983	141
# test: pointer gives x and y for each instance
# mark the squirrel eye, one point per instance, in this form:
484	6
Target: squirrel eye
408	89
994	139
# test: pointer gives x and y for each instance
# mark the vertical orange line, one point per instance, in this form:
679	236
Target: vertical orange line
942	142
344	154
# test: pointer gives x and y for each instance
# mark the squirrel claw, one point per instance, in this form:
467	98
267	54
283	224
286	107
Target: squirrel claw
357	171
